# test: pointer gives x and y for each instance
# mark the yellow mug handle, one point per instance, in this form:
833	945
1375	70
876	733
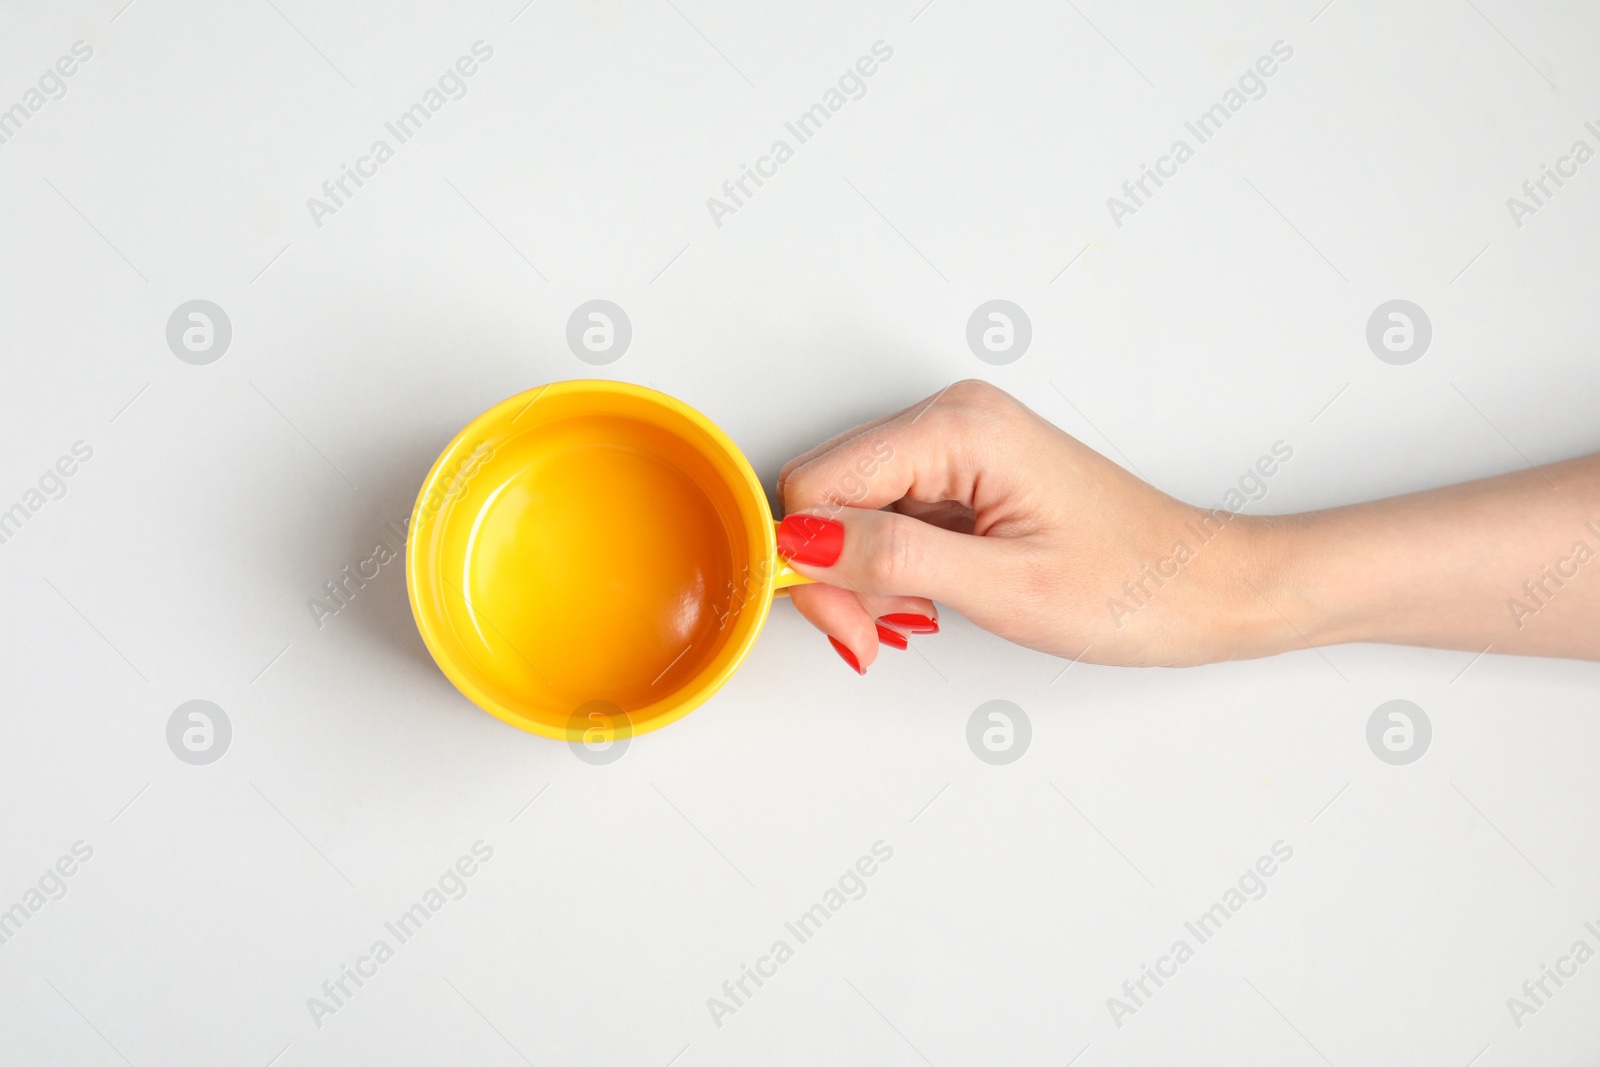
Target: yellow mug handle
786	577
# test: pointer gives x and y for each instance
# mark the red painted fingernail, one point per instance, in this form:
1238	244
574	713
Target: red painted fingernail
913	623
846	655
892	638
810	539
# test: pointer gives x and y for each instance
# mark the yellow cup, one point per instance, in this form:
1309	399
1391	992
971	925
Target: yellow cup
590	560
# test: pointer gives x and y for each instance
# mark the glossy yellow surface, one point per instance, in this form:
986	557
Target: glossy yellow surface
591	541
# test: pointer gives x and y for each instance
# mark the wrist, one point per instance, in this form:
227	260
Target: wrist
1273	603
1306	597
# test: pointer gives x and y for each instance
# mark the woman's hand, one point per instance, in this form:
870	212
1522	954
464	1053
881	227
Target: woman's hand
970	499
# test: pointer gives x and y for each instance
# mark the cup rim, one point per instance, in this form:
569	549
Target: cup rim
422	575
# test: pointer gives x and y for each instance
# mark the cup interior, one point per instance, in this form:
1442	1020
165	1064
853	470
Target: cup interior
590	542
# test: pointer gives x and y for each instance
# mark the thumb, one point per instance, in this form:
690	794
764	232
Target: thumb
884	553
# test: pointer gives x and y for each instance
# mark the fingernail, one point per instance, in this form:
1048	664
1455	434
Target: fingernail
913	623
810	539
846	655
892	638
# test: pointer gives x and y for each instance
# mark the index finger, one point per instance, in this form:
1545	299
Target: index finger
914	453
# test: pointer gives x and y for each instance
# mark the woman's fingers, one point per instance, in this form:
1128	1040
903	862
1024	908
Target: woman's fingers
840	615
829	445
941	469
882	554
933	451
862	624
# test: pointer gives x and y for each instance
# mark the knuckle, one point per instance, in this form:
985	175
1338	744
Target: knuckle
790	483
895	557
972	402
977	394
972	417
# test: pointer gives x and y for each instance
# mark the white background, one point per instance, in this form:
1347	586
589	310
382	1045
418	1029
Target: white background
1227	314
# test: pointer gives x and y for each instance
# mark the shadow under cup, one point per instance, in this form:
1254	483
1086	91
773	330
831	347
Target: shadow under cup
590	542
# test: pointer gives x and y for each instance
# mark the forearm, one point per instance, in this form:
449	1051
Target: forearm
1508	563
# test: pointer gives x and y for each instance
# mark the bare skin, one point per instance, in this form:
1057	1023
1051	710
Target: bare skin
970	499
